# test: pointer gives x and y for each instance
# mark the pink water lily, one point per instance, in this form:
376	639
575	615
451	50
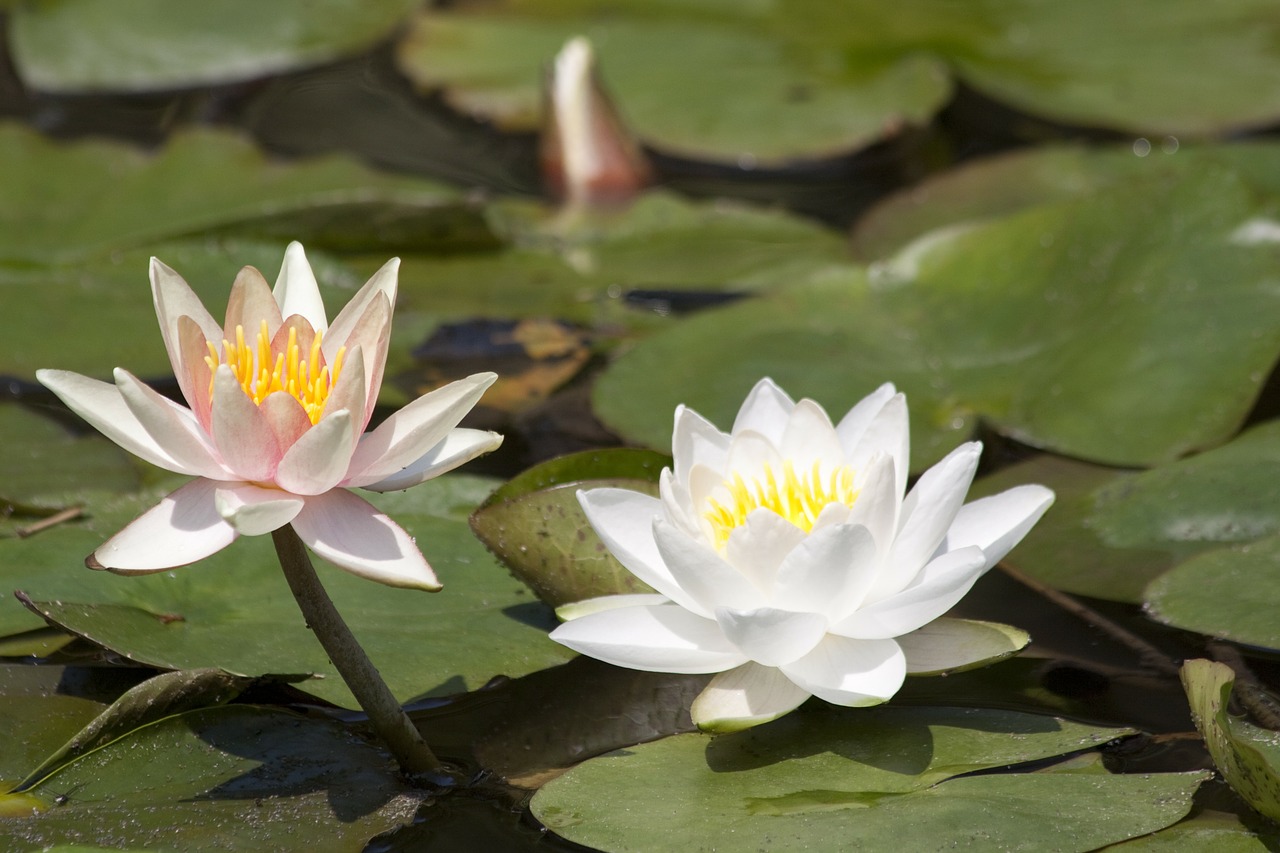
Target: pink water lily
788	557
279	399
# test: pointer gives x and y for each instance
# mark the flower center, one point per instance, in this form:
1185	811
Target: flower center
799	499
262	372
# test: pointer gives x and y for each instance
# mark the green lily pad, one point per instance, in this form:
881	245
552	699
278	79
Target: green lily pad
865	774
234	777
139	45
38	714
1128	327
804	78
234	610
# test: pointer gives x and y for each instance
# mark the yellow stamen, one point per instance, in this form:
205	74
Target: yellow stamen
262	372
798	499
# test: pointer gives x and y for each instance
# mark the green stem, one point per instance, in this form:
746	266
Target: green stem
385	714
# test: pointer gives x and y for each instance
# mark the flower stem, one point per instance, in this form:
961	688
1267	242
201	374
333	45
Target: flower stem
385	714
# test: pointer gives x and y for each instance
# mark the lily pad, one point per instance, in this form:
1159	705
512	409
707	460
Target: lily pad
234	610
1128	327
235	777
138	45
861	774
804	78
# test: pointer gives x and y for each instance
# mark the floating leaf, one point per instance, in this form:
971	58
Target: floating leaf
865	774
132	45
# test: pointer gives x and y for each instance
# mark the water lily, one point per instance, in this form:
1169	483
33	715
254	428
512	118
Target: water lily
278	401
789	558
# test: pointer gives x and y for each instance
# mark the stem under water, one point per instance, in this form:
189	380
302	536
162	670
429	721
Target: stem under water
385	714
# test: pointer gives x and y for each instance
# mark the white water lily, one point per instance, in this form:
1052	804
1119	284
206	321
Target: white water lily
279	400
788	558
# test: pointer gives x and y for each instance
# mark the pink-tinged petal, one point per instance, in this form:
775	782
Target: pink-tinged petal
757	547
350	328
250	303
765	411
241	431
459	446
624	520
706	580
182	528
411	432
296	291
353	535
853	673
997	523
286	418
770	636
744	697
578	609
317	462
809	437
953	645
197	380
104	408
253	510
696	441
349	393
173	299
305	335
926	515
829	572
371	336
943	582
172	427
878	424
662	638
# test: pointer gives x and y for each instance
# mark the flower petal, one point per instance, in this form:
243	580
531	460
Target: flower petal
173	299
103	407
353	535
578	609
249	304
765	411
750	453
696	441
997	523
459	446
343	331
623	520
757	547
286	418
197	378
809	437
253	510
318	460
241	431
829	572
350	393
770	636
660	638
172	427
857	420
943	582
702	575
744	697
413	431
296	291
854	673
371	337
878	502
952	645
675	499
184	527
879	424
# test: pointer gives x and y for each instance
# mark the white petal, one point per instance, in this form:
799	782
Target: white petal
242	433
173	299
943	582
675	499
253	510
413	431
951	645
997	523
459	446
829	572
809	437
318	460
744	697
173	427
757	547
662	638
296	291
881	427
384	283
878	502
765	411
770	636
857	420
926	515
855	673
702	575
578	609
353	535
696	441
750	453
103	408
182	528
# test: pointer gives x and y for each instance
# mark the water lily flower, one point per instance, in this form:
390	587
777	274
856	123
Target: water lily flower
278	399
788	558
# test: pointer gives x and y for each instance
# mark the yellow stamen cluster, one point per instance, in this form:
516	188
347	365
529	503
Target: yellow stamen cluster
261	372
798	499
